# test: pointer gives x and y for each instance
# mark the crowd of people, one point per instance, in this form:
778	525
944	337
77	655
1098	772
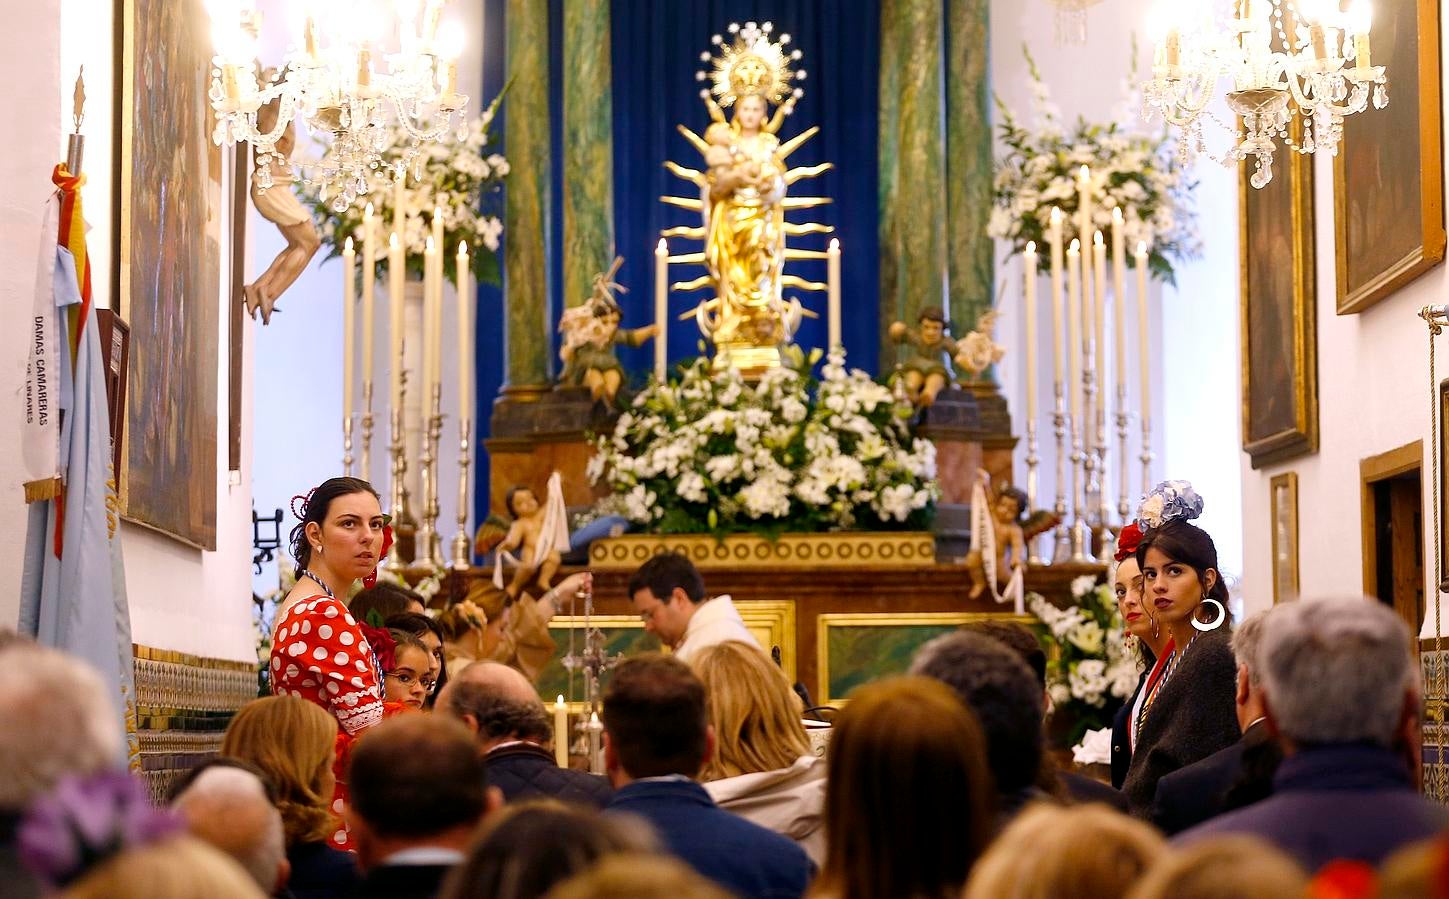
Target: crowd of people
403	756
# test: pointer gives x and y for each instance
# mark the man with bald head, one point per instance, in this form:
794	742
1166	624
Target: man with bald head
228	808
515	733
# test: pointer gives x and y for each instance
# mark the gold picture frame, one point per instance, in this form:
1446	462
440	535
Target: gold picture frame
932	624
1278	308
167	273
1388	190
1283	513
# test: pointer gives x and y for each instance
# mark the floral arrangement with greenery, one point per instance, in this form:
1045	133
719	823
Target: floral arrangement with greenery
456	174
1138	172
1091	672
710	453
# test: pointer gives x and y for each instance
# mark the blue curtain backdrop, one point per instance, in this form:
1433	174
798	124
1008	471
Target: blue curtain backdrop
656	46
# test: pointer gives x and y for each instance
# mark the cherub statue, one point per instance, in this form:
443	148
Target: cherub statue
1008	510
590	332
280	206
534	536
925	374
979	350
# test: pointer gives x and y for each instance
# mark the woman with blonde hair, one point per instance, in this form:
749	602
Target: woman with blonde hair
293	742
762	768
1230	867
515	632
1075	852
909	801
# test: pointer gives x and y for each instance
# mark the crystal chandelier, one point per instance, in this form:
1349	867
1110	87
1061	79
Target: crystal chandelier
1071	20
352	73
1285	58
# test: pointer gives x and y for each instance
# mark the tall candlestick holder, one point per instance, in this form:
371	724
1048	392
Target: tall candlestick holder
1091	496
1062	541
1032	461
435	437
397	492
347	446
1123	462
462	559
1106	540
1080	533
427	534
367	429
1146	457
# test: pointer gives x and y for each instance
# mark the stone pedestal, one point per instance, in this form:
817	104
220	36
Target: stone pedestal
537	431
998	444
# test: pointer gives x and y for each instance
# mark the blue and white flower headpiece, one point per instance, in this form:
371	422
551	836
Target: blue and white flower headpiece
1168	501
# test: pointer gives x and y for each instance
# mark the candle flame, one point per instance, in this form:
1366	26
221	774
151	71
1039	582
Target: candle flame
663	247
1097	239
559	701
1116	215
1076	246
437	212
1141	248
462	248
1084	173
367	213
392	241
1031	248
835	245
347	248
1056	215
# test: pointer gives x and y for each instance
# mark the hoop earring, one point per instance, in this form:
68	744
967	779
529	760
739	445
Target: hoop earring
1218	619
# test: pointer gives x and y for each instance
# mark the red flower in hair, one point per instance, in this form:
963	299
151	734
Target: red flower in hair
1127	541
383	646
1343	880
371	579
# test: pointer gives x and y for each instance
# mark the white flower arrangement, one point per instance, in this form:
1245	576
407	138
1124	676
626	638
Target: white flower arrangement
1092	672
711	453
455	174
1136	171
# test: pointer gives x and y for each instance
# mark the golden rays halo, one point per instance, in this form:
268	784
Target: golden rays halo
752	64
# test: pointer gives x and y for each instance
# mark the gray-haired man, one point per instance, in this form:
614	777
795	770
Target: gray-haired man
1342	696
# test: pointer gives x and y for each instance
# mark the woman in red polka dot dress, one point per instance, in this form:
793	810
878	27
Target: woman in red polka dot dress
319	651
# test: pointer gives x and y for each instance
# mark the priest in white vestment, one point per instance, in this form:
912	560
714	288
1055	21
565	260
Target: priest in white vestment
668	593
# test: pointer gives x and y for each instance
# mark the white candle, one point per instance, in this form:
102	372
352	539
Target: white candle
833	297
399	201
1084	230
1142	342
465	337
1099	254
430	347
1119	289
560	732
349	303
661	309
1074	318
369	289
1054	236
1030	260
437	320
396	271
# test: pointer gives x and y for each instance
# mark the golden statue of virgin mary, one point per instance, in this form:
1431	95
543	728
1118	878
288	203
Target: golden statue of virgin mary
743	200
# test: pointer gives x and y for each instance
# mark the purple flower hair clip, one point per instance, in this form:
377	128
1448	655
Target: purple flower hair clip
1169	501
84	821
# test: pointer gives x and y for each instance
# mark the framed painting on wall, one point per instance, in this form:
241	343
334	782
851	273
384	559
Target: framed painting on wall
1388	186
1278	303
1283	505
167	284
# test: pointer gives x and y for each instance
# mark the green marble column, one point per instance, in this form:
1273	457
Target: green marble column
526	209
588	127
969	163
912	169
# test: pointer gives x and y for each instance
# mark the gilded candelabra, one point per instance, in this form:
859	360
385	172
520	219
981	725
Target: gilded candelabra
367	428
462	559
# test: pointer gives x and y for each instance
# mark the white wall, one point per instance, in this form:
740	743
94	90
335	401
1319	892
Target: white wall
25	173
1193	327
1373	389
180	598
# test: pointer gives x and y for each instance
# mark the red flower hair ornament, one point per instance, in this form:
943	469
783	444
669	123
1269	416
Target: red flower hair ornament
1127	541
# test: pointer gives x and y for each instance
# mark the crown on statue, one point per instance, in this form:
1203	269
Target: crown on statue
752	65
